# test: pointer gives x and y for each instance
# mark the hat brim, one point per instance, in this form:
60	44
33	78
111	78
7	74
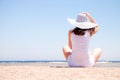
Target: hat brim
82	25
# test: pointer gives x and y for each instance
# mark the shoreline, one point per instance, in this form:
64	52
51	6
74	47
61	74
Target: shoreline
58	64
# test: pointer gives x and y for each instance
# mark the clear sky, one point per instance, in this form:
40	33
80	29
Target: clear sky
37	29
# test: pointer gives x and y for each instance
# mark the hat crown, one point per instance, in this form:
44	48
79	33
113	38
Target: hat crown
81	18
82	21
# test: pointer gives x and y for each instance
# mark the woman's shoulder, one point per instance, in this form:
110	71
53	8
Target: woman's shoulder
70	30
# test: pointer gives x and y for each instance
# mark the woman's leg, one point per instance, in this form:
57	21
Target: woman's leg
96	53
66	51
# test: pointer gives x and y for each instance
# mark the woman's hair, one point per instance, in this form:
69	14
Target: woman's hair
81	32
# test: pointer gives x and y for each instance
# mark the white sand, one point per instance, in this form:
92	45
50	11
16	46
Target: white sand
45	72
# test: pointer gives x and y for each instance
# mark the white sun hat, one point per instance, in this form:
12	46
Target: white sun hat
81	22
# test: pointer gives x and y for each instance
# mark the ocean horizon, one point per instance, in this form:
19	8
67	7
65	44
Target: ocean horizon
57	63
28	61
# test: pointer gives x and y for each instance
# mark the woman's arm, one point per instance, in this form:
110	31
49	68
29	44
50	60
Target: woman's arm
90	17
69	39
91	20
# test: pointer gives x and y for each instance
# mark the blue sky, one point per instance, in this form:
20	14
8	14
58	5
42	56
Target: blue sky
37	29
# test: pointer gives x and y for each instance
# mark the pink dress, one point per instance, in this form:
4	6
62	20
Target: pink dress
80	51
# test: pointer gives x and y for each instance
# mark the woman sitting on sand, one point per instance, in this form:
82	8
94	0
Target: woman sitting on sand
77	52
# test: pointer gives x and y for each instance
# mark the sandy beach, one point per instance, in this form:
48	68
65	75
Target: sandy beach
57	71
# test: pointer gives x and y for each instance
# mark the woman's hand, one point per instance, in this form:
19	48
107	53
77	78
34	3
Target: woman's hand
86	13
89	16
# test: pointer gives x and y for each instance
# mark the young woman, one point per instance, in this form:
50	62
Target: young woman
77	52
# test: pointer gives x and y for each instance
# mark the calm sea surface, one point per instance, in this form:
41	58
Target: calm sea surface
58	63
